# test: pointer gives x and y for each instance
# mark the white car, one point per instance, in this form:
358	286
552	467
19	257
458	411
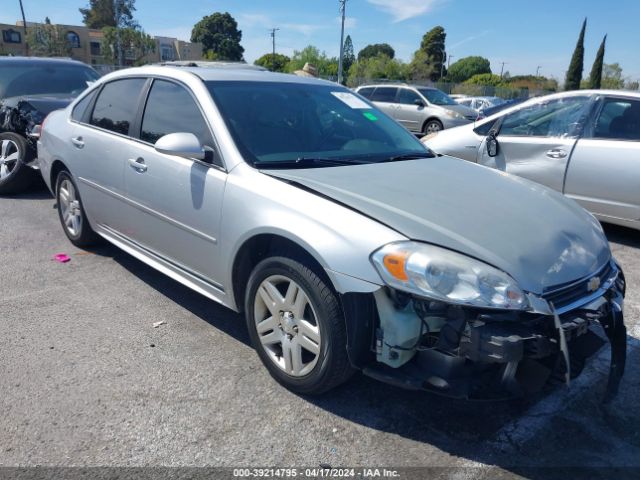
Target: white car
585	144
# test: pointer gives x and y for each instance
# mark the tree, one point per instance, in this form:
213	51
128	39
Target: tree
574	74
219	36
348	57
488	79
420	68
612	76
47	40
467	67
275	64
595	79
375	50
376	68
136	44
431	55
101	13
632	85
327	67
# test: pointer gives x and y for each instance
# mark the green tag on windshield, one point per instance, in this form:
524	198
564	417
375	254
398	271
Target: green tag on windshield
370	116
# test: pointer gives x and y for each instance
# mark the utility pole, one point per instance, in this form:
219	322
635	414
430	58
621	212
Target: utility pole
116	11
24	26
449	60
538	70
273	38
502	68
343	8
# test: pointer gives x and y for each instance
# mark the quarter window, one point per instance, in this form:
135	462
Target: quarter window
384	94
407	97
619	119
80	109
563	117
117	104
171	109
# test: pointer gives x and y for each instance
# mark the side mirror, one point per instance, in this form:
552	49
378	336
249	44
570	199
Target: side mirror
492	144
185	145
418	102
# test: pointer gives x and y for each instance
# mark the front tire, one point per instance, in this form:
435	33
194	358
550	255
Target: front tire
15	153
296	325
432	126
71	213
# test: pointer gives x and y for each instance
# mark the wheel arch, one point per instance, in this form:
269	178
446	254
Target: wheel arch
263	245
56	167
432	117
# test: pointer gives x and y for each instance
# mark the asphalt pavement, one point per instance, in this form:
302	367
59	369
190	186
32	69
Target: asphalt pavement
86	380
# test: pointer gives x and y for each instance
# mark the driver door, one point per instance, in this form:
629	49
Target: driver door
536	142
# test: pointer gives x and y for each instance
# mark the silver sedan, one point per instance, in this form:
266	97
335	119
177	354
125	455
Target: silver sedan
585	144
344	241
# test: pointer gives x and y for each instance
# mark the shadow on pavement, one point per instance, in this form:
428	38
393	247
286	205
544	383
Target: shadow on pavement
626	236
463	429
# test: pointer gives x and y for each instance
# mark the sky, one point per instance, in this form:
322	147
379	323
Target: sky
524	34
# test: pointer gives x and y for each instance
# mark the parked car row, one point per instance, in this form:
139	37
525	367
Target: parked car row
345	242
585	144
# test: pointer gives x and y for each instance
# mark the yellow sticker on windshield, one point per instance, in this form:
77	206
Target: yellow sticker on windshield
370	116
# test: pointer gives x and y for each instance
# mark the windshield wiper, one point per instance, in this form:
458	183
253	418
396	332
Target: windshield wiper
306	162
408	156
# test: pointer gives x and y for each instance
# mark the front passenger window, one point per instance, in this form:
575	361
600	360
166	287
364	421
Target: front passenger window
171	109
561	117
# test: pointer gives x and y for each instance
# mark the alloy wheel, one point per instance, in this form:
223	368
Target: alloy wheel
287	325
9	156
70	207
433	127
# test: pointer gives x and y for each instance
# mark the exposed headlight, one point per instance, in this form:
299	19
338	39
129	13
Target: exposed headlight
447	276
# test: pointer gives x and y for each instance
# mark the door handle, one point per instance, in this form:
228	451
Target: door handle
556	153
138	164
78	142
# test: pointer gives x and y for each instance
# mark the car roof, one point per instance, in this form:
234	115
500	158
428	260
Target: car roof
41	60
397	85
217	71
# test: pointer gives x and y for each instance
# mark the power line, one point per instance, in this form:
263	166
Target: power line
343	9
273	38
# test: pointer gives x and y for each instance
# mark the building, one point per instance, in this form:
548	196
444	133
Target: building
88	45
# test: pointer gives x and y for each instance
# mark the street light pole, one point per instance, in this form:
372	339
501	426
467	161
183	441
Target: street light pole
538	70
116	11
273	58
24	26
343	8
502	68
449	60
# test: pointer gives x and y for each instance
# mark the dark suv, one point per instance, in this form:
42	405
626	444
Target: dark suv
31	88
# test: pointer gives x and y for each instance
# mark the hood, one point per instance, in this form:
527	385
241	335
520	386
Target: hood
43	104
534	234
462	110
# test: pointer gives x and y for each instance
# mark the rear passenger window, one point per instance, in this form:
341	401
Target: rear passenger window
384	94
171	109
80	109
619	119
117	104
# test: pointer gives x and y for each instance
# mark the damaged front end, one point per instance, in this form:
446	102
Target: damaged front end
480	353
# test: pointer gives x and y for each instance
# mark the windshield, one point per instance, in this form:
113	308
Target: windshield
436	96
280	122
34	78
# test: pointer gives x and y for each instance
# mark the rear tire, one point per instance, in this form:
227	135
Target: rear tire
296	325
432	126
15	152
71	212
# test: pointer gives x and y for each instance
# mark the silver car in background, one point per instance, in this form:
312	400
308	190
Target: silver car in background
480	103
585	144
344	241
421	110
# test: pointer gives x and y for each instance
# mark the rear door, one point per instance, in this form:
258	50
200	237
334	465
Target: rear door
178	200
385	100
408	113
536	141
604	172
101	145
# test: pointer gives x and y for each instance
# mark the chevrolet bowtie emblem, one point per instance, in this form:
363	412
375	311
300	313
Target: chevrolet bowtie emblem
594	284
